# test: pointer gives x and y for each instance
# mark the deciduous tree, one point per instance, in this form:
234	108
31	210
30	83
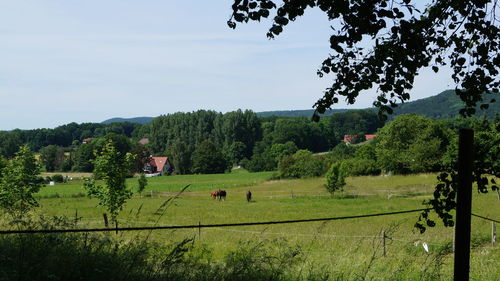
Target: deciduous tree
112	169
19	181
401	39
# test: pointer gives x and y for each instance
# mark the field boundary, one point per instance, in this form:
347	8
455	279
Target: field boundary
199	226
215	226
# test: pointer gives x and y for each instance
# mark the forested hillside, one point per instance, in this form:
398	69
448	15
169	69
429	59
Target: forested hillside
192	139
444	105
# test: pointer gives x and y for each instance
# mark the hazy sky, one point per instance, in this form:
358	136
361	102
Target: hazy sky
65	61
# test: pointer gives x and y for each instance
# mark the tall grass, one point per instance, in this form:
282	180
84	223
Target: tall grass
106	257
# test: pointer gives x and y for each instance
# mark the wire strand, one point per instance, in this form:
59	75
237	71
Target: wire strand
31	231
486	218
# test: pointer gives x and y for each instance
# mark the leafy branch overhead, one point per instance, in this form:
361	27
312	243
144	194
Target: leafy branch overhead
463	35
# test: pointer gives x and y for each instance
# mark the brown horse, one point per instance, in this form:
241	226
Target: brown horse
214	194
249	196
219	194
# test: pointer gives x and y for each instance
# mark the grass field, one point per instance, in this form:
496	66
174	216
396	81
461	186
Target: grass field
351	248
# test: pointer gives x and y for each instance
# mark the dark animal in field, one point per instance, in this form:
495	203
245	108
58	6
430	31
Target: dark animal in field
249	196
219	194
222	195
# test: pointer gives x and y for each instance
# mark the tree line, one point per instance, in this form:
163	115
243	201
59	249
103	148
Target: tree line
196	142
212	142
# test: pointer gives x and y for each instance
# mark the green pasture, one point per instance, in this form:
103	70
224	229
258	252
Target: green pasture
166	184
346	246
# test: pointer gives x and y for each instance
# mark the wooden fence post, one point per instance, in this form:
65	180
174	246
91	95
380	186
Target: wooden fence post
464	202
383	242
105	216
493	232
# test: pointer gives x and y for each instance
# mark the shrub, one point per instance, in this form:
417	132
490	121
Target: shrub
58	178
359	167
302	164
335	179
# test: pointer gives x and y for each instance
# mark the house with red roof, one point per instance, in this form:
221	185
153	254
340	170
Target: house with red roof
144	141
370	137
349	139
87	140
158	165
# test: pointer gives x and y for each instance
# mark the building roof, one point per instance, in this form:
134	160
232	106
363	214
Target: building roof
144	141
370	137
159	162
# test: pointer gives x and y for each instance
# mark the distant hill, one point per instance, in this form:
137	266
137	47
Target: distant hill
297	113
139	120
443	105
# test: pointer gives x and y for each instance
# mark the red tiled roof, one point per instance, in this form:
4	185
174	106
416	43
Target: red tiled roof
370	137
159	162
144	141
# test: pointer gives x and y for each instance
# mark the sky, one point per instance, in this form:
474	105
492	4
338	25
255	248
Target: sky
65	61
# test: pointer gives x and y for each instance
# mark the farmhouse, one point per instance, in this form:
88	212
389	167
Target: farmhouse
370	137
87	140
158	165
349	139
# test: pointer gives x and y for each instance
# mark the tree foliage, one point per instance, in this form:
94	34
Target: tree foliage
19	181
209	159
52	157
112	168
411	144
301	164
462	34
335	179
142	182
486	170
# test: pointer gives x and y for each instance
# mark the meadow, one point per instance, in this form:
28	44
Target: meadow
348	249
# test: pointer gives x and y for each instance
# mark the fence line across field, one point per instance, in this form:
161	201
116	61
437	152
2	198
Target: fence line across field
199	225
486	218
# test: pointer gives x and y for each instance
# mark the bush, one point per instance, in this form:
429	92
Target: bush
359	167
302	164
58	178
335	179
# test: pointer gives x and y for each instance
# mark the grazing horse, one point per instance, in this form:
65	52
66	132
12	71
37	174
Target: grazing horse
222	195
249	196
219	194
214	194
